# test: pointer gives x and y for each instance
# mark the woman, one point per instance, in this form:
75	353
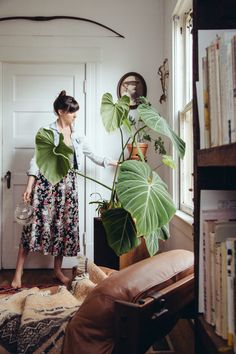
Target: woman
55	228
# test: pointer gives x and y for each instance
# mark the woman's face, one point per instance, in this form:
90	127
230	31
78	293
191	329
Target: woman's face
67	117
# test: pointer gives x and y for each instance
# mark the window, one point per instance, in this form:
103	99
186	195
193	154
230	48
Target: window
182	107
186	165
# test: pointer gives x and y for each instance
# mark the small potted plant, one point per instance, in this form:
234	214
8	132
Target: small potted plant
102	204
141	141
139	204
143	138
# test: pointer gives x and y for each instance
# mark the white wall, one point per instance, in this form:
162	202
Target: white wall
143	25
147	32
141	50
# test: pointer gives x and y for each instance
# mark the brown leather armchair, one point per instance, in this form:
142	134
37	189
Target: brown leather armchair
133	307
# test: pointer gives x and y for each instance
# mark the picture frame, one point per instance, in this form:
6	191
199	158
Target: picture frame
133	85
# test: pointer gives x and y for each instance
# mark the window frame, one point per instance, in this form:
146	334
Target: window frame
186	203
182	86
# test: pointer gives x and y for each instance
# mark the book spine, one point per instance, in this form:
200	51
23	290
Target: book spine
233	57
209	298
226	93
224	309
219	139
207	137
212	106
212	280
218	322
230	289
230	99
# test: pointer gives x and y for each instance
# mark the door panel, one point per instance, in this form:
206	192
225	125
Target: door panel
28	96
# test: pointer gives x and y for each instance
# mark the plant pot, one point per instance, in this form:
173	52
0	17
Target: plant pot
135	255
106	257
133	151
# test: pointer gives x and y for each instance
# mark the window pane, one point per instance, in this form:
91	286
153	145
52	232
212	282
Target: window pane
188	56
186	165
182	52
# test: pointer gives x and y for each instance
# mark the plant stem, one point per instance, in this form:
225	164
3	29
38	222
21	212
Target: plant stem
139	130
113	193
92	179
122	144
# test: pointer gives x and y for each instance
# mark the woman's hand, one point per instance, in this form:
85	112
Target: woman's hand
28	191
27	194
115	163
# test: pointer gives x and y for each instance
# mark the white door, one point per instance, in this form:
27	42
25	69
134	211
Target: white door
29	91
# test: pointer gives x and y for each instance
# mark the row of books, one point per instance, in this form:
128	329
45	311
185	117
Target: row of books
219	270
219	91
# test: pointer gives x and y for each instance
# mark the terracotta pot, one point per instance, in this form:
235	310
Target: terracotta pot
134	156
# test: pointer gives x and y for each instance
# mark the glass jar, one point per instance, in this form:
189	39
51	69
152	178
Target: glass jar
24	213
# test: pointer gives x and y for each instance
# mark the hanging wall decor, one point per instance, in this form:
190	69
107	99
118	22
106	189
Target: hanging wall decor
133	85
50	18
163	71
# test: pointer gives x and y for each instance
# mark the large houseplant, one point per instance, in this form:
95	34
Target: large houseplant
140	204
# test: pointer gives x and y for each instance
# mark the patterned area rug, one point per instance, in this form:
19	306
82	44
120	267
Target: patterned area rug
34	320
7	290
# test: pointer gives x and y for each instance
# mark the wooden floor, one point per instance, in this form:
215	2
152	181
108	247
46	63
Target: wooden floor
33	277
181	337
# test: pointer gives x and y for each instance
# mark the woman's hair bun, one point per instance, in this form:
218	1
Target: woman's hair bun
62	93
65	103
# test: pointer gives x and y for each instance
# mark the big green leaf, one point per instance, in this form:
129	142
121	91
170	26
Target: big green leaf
152	240
53	161
127	126
143	193
168	161
164	233
155	121
152	244
114	113
120	230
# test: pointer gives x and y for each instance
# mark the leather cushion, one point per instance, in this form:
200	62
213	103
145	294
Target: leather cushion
92	330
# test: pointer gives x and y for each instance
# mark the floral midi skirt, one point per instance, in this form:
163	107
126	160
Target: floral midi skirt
55	227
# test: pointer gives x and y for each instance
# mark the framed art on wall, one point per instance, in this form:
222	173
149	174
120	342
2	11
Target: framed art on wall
133	85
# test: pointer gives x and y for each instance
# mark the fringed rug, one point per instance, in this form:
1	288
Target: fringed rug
34	319
8	290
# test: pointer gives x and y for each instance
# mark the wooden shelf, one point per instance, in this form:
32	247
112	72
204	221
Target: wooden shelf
212	341
214	168
219	156
215	14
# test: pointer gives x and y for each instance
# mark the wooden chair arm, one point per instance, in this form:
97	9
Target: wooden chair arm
139	324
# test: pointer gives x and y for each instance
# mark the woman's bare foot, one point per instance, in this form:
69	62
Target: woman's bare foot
16	282
60	276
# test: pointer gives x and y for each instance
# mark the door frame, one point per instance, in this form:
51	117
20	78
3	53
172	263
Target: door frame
46	52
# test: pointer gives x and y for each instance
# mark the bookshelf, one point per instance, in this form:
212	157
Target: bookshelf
214	167
219	156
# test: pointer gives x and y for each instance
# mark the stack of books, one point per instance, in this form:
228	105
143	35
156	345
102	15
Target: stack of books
218	228
219	91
